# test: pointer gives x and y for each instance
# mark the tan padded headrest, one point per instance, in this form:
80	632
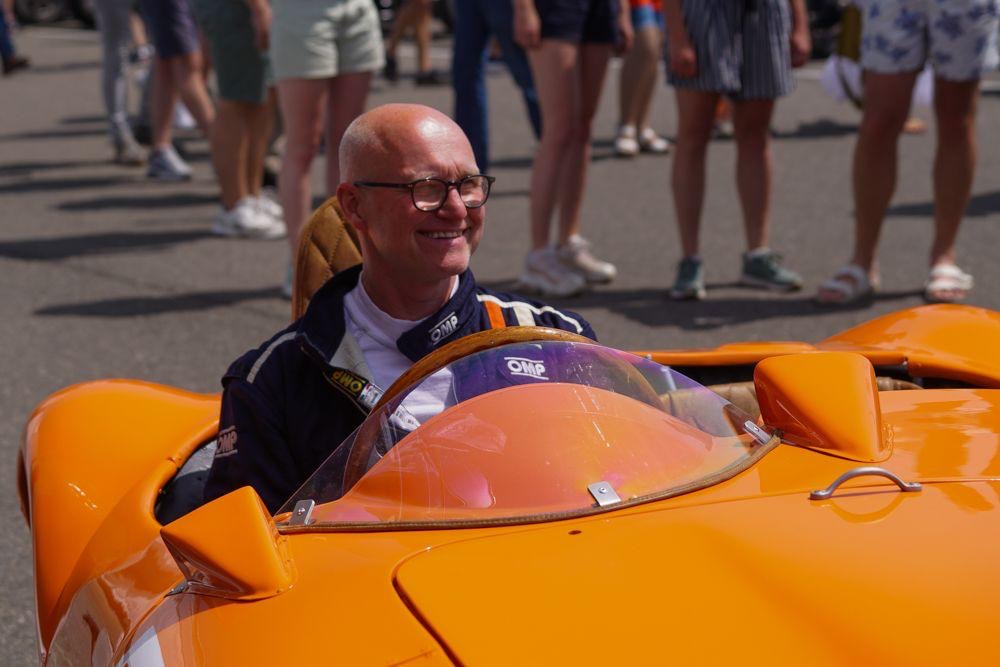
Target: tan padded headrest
327	246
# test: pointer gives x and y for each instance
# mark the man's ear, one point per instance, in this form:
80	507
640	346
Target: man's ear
350	204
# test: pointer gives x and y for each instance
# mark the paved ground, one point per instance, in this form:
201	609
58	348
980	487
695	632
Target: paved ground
106	275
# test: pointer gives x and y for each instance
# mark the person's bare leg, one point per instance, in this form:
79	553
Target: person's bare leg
190	83
406	18
593	64
162	99
696	115
230	142
302	103
422	34
261	125
346	95
554	66
752	131
954	162
649	47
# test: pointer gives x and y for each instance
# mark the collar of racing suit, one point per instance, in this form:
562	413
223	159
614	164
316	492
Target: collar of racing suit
324	338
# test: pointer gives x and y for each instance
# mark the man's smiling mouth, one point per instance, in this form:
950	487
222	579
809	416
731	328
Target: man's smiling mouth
443	235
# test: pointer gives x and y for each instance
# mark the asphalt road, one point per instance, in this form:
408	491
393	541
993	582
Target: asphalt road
107	275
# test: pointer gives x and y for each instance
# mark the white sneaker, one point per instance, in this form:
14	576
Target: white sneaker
166	165
546	275
246	221
651	142
183	120
269	207
626	143
576	256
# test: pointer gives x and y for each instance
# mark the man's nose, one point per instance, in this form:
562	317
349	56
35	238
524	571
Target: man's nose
453	204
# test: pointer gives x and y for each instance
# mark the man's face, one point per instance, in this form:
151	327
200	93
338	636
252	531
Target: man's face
421	246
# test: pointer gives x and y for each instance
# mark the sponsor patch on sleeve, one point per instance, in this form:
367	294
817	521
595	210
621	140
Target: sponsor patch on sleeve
226	443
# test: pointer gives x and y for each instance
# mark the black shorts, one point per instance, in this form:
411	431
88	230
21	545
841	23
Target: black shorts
579	21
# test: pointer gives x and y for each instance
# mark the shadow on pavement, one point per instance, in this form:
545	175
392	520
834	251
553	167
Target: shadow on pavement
82	120
157	305
25	168
63	247
34	135
66	67
652	307
819	129
54	184
979	205
138	202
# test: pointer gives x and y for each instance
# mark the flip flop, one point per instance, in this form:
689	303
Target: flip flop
947	278
851	282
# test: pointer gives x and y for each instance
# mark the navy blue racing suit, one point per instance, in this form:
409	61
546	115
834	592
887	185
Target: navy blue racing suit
287	404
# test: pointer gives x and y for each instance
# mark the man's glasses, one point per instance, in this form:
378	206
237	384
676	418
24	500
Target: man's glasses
430	194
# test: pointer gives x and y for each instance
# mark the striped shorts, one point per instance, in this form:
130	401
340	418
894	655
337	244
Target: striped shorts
742	48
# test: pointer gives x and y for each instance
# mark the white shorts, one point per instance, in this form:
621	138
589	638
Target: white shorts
957	37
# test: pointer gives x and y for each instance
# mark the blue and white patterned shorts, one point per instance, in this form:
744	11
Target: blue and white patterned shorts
958	37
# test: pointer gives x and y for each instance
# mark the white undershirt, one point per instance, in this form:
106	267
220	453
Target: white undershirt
377	332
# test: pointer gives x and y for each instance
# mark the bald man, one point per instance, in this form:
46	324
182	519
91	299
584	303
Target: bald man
413	192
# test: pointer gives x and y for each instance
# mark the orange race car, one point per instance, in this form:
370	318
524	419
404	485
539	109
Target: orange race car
568	503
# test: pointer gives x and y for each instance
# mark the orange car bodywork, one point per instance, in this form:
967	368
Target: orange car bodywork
747	570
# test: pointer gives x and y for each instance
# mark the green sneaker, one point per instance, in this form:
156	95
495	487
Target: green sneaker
690	282
763	269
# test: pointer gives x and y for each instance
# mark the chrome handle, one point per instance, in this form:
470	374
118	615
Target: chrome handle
861	472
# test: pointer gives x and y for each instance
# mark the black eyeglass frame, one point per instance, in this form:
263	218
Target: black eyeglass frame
457	184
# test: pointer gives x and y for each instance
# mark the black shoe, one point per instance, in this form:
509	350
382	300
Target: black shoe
14	63
143	134
391	71
431	77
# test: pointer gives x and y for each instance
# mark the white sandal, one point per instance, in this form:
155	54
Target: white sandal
851	282
947	278
651	142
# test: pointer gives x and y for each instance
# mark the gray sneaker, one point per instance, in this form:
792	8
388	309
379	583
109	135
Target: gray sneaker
128	152
576	256
544	274
763	269
166	165
690	282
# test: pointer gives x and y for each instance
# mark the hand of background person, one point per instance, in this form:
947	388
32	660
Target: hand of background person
626	33
260	17
801	46
682	59
527	25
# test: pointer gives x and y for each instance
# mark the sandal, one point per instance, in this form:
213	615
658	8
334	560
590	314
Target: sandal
947	284
850	283
651	142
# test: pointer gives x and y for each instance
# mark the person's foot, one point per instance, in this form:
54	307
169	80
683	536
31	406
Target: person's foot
546	275
269	207
651	142
391	71
576	256
14	63
762	268
247	221
166	165
690	281
947	283
626	142
129	153
431	77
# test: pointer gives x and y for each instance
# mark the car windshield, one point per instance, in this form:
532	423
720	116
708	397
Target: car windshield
529	432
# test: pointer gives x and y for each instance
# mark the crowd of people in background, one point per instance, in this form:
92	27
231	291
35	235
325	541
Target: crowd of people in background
295	74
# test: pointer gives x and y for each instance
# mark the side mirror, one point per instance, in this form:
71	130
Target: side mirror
231	548
826	401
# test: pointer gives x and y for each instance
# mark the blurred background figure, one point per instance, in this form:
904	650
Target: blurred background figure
11	60
415	15
238	34
960	46
637	81
177	74
115	23
323	53
477	22
744	50
569	44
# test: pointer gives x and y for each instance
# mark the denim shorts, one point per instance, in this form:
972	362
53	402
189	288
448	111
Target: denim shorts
171	27
321	39
579	21
958	38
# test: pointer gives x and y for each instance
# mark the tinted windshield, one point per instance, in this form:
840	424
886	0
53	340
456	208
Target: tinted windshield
530	431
